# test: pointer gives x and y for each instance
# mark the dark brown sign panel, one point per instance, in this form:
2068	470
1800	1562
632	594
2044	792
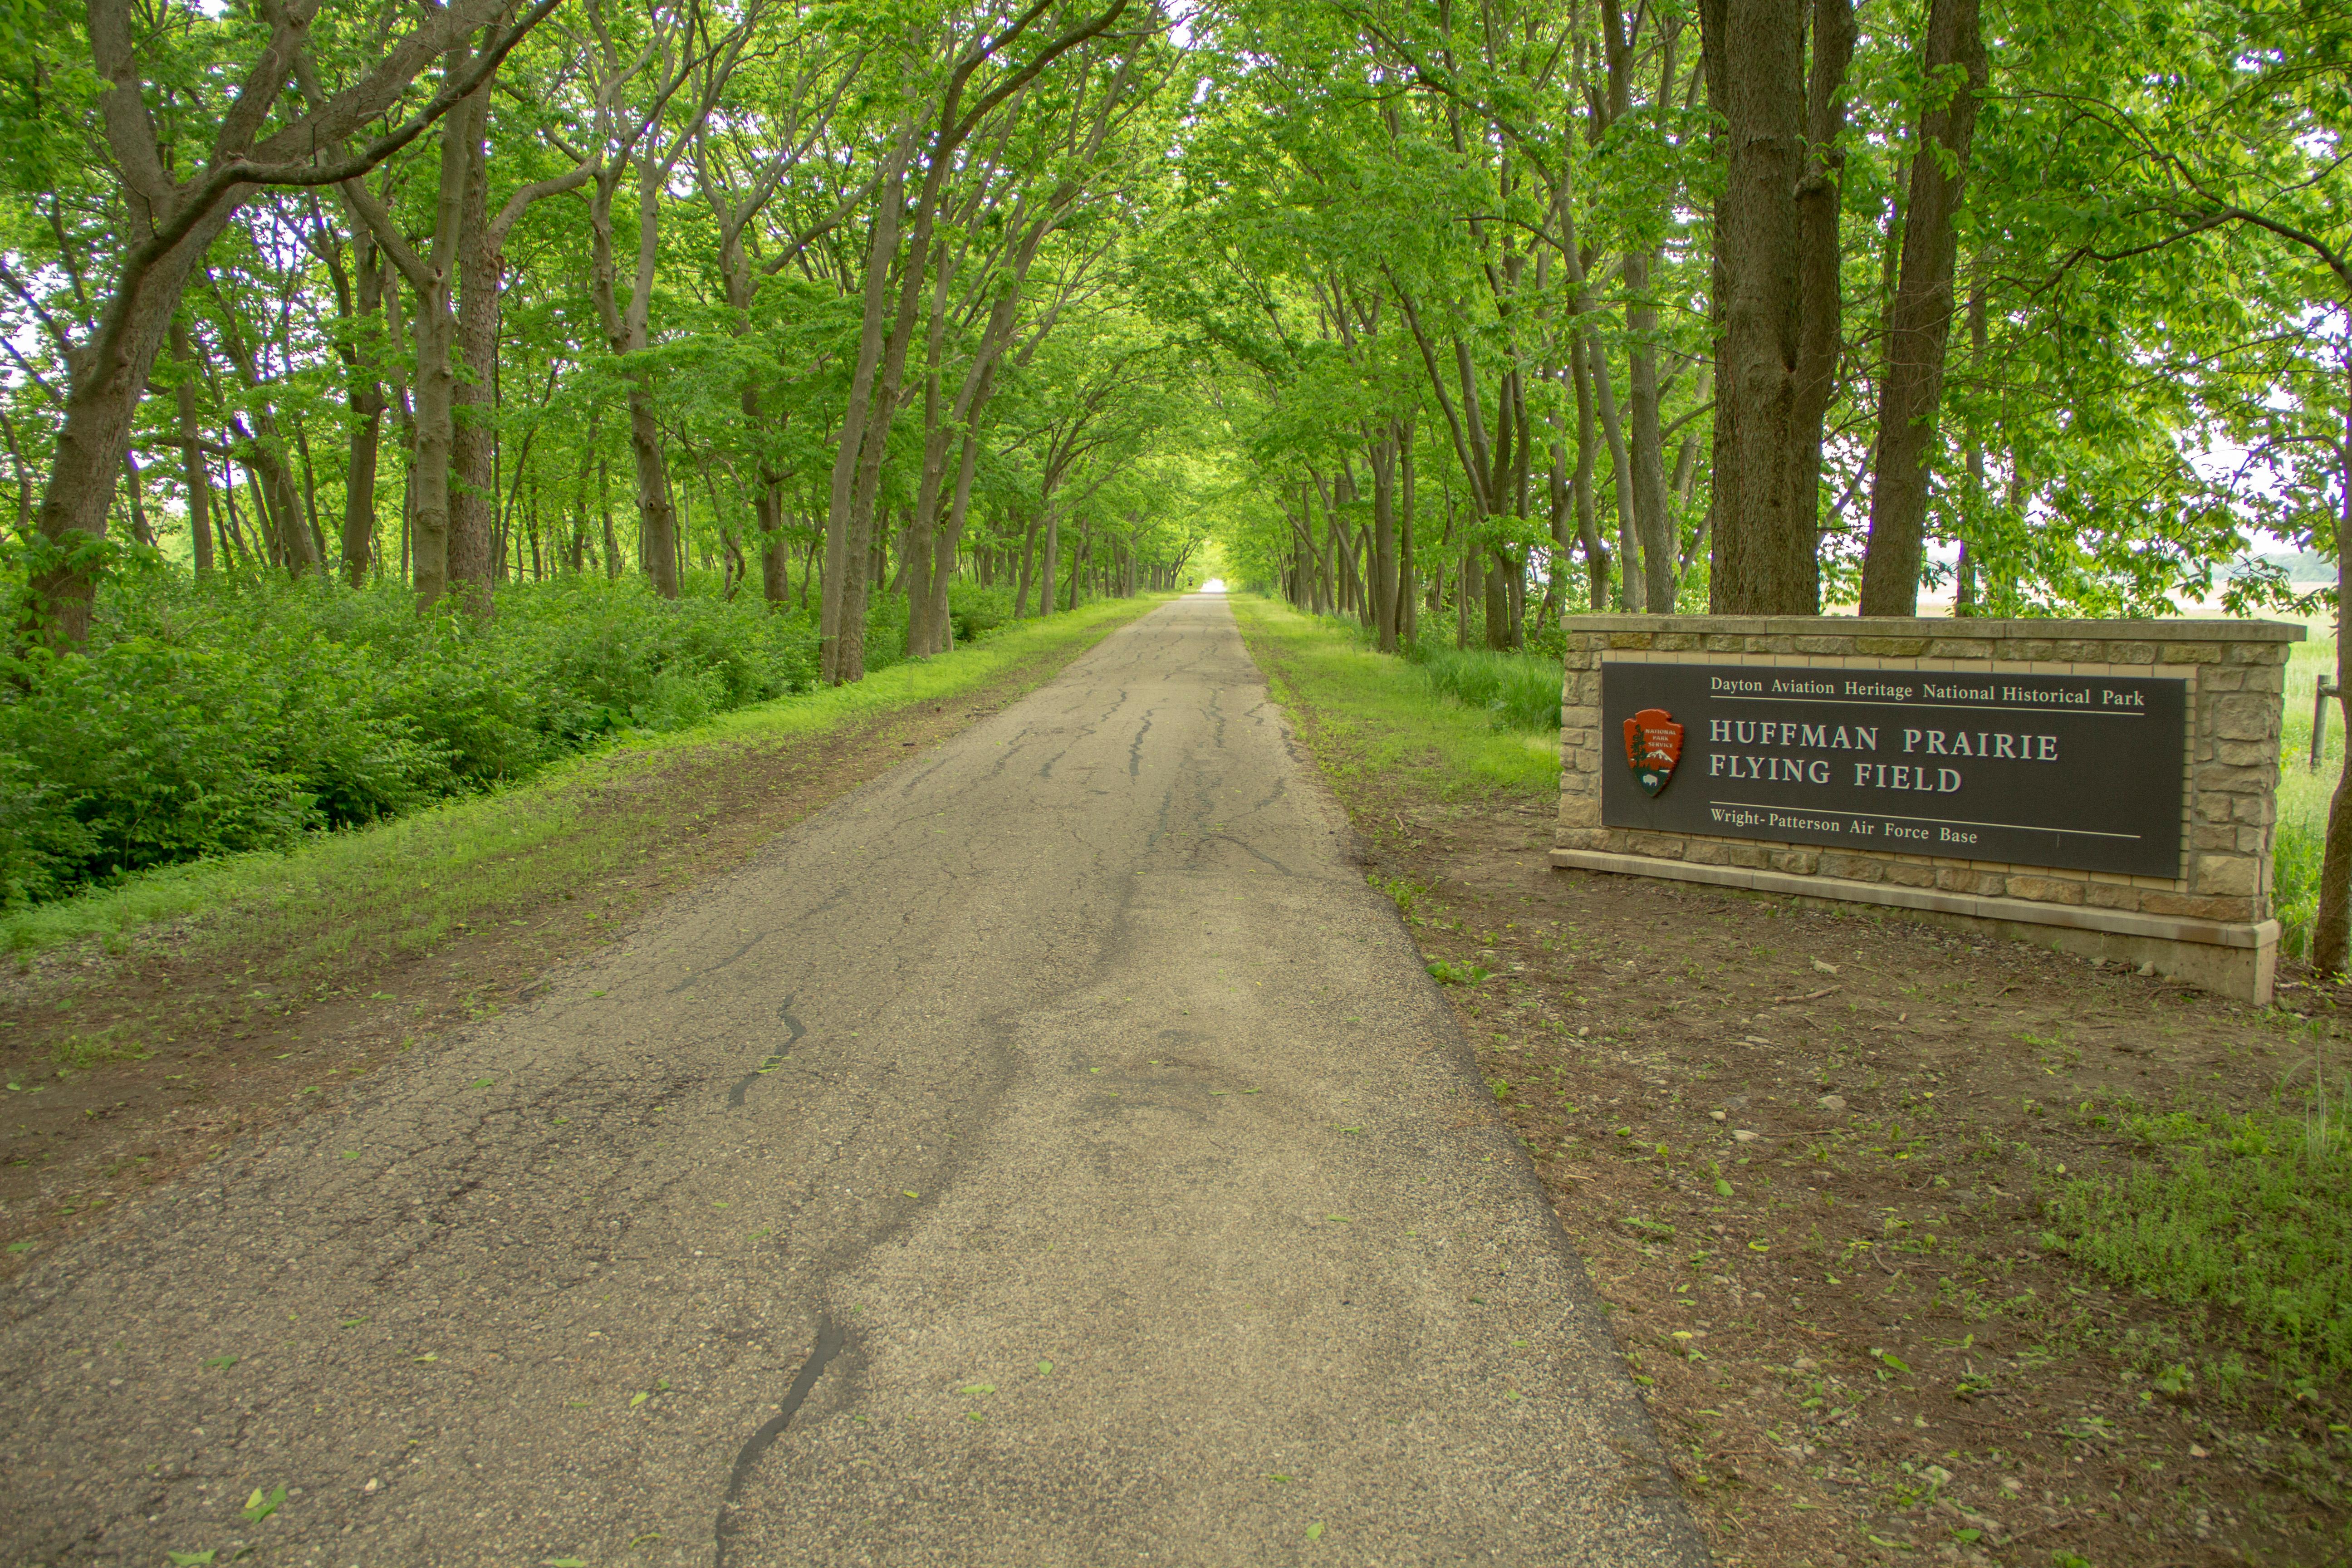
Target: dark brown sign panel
2082	772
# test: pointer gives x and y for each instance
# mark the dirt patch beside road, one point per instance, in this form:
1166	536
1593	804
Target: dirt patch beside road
1808	1157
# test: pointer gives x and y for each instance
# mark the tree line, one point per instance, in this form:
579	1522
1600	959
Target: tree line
1436	315
815	295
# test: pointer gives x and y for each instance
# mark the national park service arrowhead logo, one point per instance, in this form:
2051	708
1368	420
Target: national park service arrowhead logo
1653	744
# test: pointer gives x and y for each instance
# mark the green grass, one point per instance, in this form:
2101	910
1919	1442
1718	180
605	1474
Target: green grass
407	883
2251	1212
1517	691
2303	795
1377	716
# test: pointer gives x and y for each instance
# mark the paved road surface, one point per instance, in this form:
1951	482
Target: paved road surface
1053	1155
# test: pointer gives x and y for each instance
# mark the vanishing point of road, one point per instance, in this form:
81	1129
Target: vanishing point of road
1051	1156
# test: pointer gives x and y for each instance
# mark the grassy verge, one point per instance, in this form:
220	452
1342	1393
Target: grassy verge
406	884
2251	1212
1378	715
2304	792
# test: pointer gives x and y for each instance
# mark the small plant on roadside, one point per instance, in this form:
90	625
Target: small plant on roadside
1447	973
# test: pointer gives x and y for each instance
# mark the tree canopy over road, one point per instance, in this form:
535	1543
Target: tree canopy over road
1450	317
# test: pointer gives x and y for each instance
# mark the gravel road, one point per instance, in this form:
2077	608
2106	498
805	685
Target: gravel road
1051	1154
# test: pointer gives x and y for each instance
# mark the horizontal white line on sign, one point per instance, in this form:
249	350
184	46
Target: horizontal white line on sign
1898	816
2066	707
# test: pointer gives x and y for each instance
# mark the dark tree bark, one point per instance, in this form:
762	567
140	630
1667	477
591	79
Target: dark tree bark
197	471
1764	554
1920	323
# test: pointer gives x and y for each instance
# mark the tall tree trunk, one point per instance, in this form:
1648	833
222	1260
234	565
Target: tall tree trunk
197	473
1920	323
841	635
1588	450
1652	522
1028	556
1053	557
1764	554
475	558
1635	584
1964	588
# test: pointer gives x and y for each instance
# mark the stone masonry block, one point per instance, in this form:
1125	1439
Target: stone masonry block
1677	642
1853	868
1986	884
1909	874
2108	896
2183	905
1748	857
1708	852
2224	876
2046	890
1890	648
2130	652
2225	777
2214	838
1829	647
1630	639
2248	755
1796	862
2191	653
1664	845
1580	810
2245	716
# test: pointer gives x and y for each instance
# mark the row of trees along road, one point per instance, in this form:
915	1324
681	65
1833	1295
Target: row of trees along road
1435	314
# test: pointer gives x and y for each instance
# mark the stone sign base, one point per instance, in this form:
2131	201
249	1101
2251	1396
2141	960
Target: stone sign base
2237	961
2207	924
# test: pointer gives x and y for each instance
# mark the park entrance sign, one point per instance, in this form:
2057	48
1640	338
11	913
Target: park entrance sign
2079	771
2107	787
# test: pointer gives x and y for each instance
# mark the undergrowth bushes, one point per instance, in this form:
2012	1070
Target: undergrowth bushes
1520	689
218	717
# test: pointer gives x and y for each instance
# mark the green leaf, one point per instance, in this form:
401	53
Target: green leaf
562	1563
222	1363
977	1388
261	1506
638	1399
191	1559
1315	1531
1043	1367
1722	1188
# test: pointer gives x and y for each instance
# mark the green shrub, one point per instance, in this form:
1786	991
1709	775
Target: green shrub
975	610
1521	690
217	717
